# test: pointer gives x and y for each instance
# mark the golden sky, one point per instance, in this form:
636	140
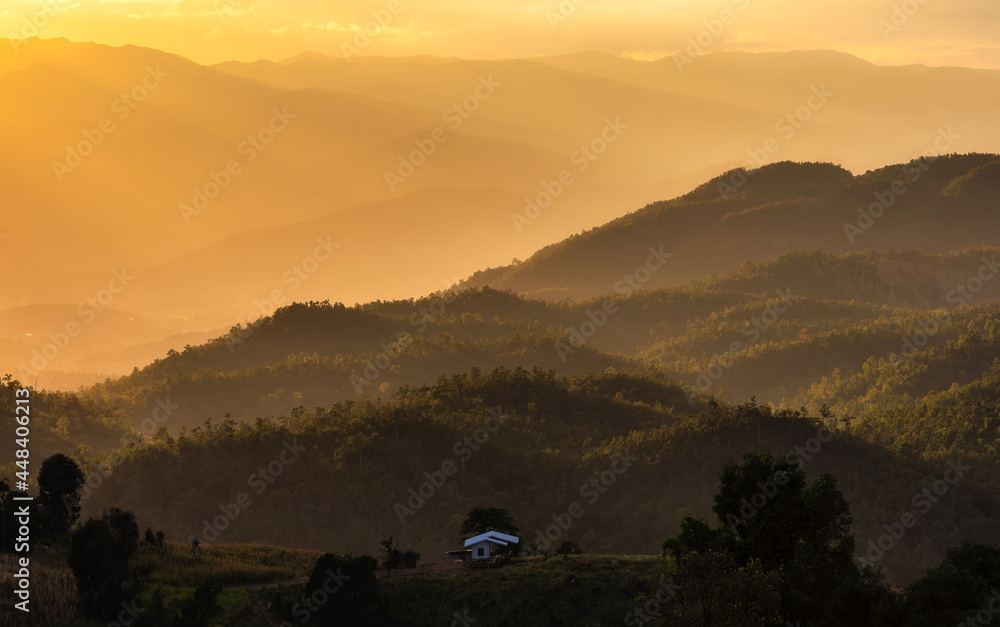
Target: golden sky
934	32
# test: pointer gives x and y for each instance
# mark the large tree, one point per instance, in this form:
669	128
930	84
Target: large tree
343	591
711	589
770	515
966	583
59	483
99	556
483	519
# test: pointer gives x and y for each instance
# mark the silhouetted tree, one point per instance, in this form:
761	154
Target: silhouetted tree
99	554
568	548
410	558
770	516
711	589
483	519
342	590
965	583
59	483
390	555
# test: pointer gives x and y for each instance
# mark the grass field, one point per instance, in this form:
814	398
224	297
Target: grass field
228	565
583	590
170	573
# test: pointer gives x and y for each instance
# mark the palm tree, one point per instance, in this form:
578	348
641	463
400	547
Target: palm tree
390	550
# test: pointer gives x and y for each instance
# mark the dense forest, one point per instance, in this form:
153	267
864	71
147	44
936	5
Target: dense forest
608	423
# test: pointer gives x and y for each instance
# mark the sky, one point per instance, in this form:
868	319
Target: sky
896	32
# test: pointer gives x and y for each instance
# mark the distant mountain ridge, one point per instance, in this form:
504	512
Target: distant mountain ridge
934	206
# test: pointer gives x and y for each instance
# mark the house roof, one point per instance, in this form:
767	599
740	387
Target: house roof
495	537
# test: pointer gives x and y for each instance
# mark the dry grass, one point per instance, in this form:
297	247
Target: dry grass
225	564
53	595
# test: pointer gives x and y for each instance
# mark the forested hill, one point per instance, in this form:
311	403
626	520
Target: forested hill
545	437
934	205
894	352
842	310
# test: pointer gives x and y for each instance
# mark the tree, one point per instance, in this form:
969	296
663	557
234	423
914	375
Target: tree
391	555
761	501
966	582
343	590
59	483
483	519
99	555
770	516
202	606
711	590
410	558
568	548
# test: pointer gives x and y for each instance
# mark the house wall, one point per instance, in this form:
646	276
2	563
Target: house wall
485	546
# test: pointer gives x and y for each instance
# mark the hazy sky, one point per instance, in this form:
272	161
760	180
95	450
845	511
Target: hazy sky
934	32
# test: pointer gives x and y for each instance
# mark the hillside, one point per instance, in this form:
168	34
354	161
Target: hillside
610	124
754	216
842	311
548	436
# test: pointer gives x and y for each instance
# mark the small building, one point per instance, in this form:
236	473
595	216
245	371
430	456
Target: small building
487	545
465	555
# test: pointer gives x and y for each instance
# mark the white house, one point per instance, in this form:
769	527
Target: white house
482	546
